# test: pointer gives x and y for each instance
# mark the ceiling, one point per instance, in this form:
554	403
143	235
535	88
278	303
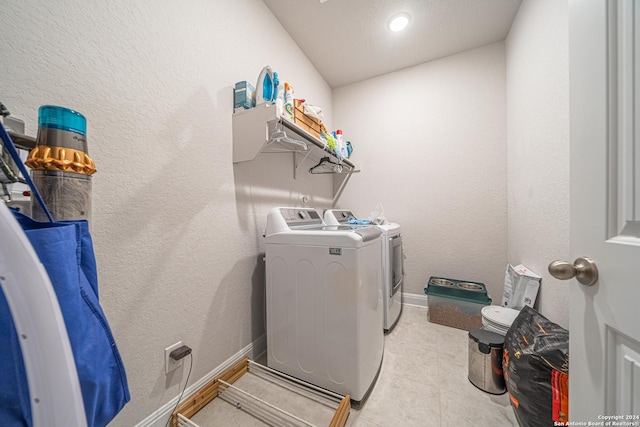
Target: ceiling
348	40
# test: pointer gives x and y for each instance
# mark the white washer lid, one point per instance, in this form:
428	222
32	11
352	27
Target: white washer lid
500	315
390	228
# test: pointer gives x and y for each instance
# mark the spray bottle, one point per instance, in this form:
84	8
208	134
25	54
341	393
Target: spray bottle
340	149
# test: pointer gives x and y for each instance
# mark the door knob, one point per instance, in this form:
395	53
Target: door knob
584	269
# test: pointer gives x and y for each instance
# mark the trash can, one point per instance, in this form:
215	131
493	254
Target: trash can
485	361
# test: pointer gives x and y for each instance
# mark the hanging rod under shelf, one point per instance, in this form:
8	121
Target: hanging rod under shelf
314	140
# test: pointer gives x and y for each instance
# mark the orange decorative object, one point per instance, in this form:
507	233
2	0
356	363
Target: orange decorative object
44	157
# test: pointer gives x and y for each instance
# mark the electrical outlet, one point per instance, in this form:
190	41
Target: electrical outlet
169	363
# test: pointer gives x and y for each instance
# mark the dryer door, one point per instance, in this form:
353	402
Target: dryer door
397	264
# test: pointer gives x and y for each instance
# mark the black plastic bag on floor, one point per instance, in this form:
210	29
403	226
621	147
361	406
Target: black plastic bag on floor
536	369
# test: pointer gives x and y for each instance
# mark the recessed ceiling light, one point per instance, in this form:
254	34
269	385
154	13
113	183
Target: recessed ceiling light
399	21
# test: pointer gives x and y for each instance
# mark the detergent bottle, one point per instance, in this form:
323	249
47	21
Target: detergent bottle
266	87
288	101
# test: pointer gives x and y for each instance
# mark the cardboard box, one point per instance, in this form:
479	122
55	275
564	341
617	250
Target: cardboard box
306	122
244	95
303	125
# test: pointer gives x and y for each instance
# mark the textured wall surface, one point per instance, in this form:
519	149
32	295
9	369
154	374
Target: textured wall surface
432	143
177	227
538	146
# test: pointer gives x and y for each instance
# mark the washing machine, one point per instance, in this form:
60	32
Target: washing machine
323	301
392	264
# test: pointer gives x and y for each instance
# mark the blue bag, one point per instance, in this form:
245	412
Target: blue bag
65	249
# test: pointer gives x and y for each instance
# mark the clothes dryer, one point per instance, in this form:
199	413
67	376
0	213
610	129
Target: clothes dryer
392	264
324	301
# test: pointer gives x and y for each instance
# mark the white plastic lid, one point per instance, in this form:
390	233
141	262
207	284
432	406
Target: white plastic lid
503	316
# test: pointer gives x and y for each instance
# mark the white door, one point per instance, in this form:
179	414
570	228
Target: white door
604	354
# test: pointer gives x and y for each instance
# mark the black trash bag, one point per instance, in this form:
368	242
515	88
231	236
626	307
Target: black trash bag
536	370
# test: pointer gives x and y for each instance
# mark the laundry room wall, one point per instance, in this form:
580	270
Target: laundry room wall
177	227
538	146
431	141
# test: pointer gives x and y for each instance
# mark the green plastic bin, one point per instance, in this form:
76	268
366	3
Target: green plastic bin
456	303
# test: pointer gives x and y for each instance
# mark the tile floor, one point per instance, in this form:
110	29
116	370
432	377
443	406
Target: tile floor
423	382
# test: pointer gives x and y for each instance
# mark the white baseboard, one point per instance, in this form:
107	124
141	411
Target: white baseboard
252	351
414	299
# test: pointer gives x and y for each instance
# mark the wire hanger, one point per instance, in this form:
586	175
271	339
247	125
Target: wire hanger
280	136
329	166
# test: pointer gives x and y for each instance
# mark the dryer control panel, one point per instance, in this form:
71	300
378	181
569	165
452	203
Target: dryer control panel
343	216
300	216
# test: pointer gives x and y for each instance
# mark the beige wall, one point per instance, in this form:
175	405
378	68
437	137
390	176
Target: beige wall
177	227
538	146
431	140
